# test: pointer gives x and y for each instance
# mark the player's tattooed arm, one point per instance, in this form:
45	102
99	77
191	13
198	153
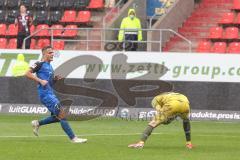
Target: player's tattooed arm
57	78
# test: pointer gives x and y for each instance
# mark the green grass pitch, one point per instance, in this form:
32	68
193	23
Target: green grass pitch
108	140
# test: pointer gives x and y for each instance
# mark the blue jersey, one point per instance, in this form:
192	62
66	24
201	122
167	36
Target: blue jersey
45	71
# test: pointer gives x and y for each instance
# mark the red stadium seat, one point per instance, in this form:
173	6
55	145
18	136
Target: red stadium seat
231	33
219	47
70	33
58	31
32	29
12	30
44	30
12	44
227	18
234	47
83	17
236	4
94	4
3	29
69	16
238	19
42	43
58	45
215	32
3	43
33	44
204	46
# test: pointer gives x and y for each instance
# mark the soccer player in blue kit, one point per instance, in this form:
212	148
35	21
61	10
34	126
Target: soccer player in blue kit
45	78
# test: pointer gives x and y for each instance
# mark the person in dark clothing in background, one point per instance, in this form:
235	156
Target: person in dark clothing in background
24	21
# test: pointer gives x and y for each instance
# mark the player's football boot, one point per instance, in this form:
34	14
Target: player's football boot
189	145
78	140
35	125
136	145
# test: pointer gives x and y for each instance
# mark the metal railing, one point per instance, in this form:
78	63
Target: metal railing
152	18
173	32
114	40
110	15
113	11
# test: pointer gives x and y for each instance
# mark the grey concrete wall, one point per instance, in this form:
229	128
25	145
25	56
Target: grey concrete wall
202	95
172	20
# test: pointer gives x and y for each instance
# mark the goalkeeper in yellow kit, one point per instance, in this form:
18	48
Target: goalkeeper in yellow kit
168	105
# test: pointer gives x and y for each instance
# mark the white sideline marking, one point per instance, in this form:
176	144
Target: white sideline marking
221	122
82	135
118	134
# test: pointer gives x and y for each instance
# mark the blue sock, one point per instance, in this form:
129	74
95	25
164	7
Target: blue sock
48	120
67	129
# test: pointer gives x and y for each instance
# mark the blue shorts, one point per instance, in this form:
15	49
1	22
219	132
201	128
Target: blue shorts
55	110
52	103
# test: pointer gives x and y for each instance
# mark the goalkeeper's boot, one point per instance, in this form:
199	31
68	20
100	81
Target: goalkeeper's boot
189	145
78	140
35	125
139	144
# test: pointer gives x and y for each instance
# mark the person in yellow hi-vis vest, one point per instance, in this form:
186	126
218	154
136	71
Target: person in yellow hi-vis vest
130	30
20	67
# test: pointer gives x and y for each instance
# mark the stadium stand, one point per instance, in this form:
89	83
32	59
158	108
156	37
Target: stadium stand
41	17
236	5
58	45
44	32
234	47
70	33
227	18
67	4
55	13
12	30
12	44
32	28
219	47
96	4
39	4
213	21
27	3
54	4
33	44
204	46
69	16
216	33
2	3
59	30
11	15
231	33
2	16
237	21
13	4
81	4
3	43
3	28
42	43
83	17
55	16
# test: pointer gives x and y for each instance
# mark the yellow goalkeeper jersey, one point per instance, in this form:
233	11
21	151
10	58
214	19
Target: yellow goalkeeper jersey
169	105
